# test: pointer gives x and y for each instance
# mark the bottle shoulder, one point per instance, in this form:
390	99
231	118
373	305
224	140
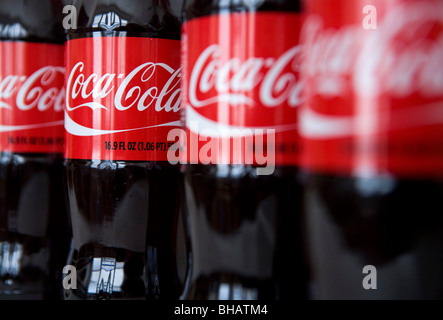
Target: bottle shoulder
200	8
132	19
73	164
23	158
31	21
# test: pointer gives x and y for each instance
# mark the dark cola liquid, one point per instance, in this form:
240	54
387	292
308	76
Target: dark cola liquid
124	218
245	231
245	228
34	235
395	225
125	214
34	230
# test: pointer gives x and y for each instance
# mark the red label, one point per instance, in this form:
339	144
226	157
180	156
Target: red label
241	88
374	84
32	97
123	97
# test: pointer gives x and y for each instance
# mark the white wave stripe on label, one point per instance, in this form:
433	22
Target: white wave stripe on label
4	105
5	128
219	130
315	125
92	105
76	129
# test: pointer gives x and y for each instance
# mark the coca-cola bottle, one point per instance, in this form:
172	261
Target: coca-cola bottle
123	93
241	91
34	234
372	132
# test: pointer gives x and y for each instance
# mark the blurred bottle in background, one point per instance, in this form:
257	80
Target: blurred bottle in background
372	133
34	231
241	91
123	97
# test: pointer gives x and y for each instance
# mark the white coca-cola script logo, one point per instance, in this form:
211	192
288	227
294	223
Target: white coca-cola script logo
130	93
401	71
375	63
140	89
41	90
371	58
275	79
